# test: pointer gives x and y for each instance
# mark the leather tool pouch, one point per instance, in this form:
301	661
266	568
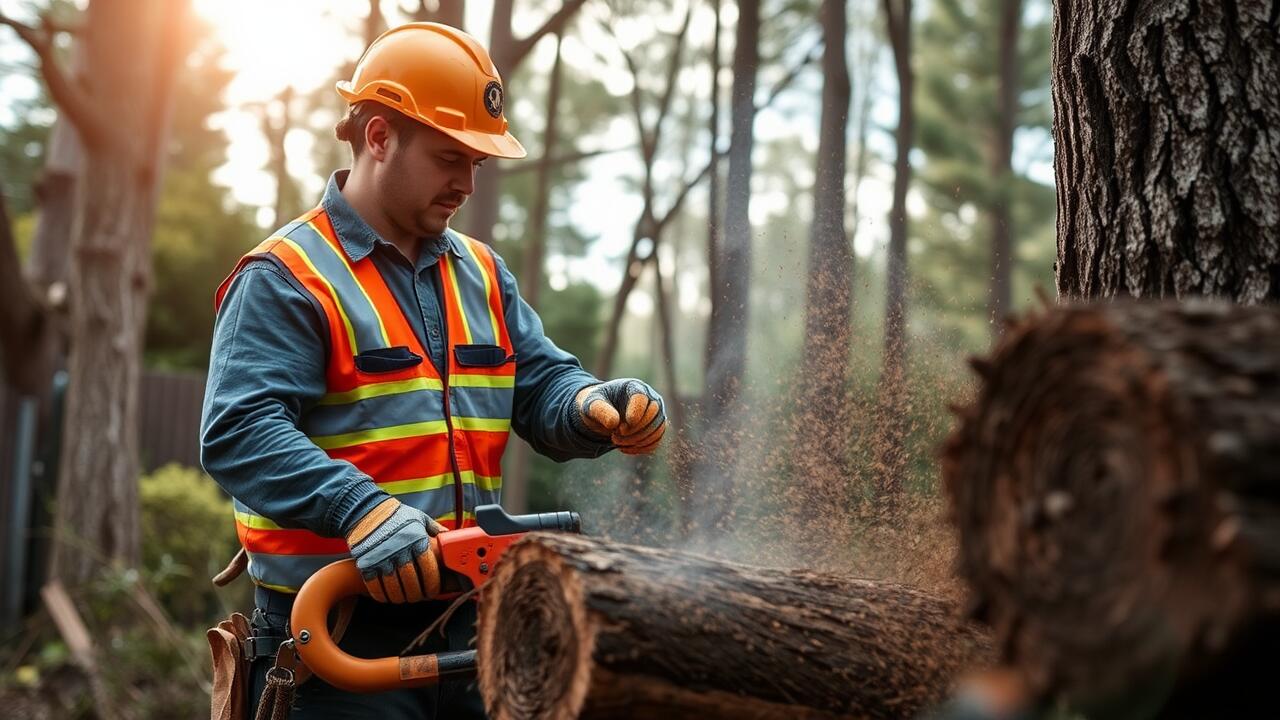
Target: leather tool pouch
230	693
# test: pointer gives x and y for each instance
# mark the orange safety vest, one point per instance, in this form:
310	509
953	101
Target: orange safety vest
432	437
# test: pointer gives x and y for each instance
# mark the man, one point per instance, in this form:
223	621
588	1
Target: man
368	363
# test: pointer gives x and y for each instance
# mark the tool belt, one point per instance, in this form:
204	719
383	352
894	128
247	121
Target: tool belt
236	643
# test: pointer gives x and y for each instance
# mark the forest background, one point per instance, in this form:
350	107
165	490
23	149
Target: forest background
626	235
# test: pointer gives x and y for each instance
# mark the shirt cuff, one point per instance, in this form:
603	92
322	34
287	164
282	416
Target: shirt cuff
353	502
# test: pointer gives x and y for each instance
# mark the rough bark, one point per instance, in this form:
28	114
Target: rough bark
572	627
1002	254
890	449
1167	143
132	49
1115	486
821	443
730	296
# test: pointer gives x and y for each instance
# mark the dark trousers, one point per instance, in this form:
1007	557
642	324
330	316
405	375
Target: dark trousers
377	630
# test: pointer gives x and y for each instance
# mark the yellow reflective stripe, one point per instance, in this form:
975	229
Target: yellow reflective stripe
277	588
457	298
485	424
483	381
394	432
488	287
255	522
412	485
467	515
342	258
395	387
488	483
337	302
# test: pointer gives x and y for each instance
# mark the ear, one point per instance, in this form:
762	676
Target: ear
377	138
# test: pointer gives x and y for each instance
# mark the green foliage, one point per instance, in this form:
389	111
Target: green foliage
187	537
957	108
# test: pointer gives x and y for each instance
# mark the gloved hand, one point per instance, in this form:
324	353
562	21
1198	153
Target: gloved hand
627	411
392	547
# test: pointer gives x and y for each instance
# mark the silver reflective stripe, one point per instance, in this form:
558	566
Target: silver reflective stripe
286	573
403	408
481	402
473	284
330	264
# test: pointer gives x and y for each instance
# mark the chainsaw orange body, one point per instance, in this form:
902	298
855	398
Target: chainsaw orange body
467	558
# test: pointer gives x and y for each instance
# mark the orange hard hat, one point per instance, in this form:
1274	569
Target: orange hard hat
439	76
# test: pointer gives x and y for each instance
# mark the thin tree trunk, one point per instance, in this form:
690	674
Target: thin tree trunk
730	298
713	187
516	485
631	632
890	445
276	129
507	52
822	434
1166	129
1002	252
133	49
25	323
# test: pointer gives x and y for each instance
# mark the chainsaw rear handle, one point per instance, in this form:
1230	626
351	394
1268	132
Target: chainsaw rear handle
309	624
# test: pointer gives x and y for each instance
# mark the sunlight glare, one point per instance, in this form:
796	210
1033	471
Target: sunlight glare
298	43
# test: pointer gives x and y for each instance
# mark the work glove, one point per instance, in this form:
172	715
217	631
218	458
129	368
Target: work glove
627	411
392	547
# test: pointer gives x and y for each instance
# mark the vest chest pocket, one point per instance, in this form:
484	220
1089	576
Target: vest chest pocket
481	356
385	360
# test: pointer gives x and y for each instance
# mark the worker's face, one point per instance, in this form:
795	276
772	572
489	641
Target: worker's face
423	180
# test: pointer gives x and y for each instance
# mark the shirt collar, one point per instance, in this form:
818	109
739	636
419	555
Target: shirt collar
358	239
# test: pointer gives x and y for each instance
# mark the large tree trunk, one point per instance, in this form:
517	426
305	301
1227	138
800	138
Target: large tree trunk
1002	253
890	441
821	439
1115	489
731	295
1166	130
133	49
573	627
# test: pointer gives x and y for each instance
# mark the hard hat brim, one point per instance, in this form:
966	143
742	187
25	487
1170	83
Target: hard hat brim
500	146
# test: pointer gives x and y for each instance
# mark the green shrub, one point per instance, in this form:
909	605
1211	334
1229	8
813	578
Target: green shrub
188	535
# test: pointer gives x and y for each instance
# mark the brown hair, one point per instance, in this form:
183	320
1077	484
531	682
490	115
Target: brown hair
350	129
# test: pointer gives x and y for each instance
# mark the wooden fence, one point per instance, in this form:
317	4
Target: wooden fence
168	432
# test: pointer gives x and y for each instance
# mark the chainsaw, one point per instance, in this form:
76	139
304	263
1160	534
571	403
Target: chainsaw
467	558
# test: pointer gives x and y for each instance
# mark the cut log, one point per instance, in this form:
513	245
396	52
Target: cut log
572	627
1116	486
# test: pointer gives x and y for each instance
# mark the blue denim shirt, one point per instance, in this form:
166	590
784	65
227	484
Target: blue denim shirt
267	368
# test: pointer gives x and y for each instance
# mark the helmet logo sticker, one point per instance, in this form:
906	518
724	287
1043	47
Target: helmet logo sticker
493	98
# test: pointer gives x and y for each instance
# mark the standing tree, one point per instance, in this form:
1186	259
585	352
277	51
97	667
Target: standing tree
132	50
508	52
971	101
730	297
890	449
821	450
1167	124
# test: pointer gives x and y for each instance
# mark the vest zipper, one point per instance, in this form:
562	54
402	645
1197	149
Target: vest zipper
448	411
